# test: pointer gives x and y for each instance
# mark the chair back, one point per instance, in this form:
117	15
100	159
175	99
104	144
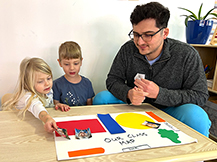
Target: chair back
6	97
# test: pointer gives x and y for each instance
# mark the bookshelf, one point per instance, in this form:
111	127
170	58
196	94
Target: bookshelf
208	54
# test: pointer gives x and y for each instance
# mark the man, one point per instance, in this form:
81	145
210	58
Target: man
174	76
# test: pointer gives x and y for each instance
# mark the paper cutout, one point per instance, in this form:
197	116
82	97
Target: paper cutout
112	126
62	132
82	133
155	117
84	152
170	134
93	124
151	124
133	120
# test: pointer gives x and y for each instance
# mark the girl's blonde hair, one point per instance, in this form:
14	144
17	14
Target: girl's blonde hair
26	83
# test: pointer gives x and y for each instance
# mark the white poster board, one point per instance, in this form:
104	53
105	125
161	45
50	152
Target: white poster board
136	137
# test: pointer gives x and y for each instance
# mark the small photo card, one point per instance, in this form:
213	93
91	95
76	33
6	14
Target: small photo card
82	134
151	124
139	76
62	132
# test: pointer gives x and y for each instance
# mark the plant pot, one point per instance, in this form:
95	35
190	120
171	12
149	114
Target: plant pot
198	31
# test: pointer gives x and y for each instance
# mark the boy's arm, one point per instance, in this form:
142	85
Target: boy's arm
89	101
58	105
49	123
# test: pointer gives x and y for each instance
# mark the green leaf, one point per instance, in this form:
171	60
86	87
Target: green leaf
189	11
193	17
208	13
186	19
214	14
199	12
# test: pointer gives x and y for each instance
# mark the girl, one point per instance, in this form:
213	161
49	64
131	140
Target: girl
34	91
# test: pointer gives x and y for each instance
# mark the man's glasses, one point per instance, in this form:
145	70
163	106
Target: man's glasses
145	37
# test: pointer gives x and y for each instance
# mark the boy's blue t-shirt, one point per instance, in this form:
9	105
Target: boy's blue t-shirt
72	94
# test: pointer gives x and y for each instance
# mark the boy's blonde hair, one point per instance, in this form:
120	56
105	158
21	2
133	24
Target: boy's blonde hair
69	50
26	82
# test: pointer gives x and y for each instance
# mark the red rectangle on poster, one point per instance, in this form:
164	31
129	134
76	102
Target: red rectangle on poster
94	125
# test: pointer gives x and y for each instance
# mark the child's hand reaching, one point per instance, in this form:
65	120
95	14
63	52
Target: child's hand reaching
50	125
62	107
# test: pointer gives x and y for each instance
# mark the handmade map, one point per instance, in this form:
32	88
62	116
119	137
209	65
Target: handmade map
115	133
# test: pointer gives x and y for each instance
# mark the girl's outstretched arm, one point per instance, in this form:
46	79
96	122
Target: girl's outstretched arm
49	122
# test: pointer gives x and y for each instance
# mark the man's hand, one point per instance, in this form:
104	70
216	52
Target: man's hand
148	86
136	96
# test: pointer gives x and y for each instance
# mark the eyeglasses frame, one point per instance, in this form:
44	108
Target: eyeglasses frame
140	35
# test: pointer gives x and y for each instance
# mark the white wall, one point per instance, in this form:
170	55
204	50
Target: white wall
38	27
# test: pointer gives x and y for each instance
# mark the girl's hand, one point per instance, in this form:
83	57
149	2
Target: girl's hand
62	107
50	125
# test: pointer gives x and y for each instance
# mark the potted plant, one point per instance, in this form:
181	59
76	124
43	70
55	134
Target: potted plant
198	28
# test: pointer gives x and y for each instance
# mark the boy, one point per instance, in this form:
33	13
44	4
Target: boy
71	89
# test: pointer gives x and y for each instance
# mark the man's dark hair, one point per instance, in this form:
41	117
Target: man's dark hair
152	10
